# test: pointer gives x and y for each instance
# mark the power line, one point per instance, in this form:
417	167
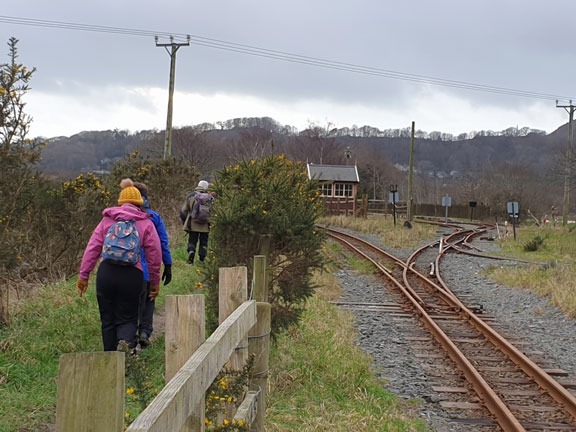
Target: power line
285	56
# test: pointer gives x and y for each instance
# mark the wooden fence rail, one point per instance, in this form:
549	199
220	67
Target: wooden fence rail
91	386
172	407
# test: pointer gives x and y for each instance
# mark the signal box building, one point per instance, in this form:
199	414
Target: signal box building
338	186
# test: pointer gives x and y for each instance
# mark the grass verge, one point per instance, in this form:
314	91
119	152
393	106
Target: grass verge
56	321
555	277
321	381
394	236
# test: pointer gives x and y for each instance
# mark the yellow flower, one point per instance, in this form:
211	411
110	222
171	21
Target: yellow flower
130	391
226	421
230	399
198	271
264	212
127	415
208	421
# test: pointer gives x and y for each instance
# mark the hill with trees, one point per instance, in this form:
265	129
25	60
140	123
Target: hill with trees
484	166
212	145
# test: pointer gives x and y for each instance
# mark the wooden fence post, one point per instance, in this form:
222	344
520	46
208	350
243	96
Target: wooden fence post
185	332
233	291
259	277
91	392
265	249
259	345
259	341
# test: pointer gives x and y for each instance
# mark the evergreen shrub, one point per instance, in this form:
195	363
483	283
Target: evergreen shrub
272	197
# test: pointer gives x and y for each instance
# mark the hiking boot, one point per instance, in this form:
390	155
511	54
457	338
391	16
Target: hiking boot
124	347
144	340
190	258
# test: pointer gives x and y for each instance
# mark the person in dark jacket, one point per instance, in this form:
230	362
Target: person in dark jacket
118	286
147	305
197	232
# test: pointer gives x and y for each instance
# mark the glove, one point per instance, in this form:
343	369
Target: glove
154	291
81	286
167	274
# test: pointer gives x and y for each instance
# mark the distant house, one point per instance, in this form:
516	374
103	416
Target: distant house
338	186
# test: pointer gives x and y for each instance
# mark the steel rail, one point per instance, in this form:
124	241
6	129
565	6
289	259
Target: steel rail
407	291
554	389
466	242
494	404
494	257
504	417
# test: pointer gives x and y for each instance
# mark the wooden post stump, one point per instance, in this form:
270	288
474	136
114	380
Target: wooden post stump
91	391
233	291
185	332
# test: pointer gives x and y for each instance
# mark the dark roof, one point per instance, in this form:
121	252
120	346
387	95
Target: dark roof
341	173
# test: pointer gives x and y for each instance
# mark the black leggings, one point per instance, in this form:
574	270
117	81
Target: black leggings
118	291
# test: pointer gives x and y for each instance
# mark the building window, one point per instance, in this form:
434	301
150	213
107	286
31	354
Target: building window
326	189
343	190
349	190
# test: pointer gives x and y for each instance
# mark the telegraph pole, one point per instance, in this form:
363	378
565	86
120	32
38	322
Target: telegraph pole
172	53
409	203
568	167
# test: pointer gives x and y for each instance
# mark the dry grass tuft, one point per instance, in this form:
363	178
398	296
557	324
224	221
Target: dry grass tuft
556	279
395	237
557	283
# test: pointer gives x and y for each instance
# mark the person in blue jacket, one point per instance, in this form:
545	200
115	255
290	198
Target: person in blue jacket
146	309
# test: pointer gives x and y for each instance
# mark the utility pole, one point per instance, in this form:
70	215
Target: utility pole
374	180
409	203
568	162
172	53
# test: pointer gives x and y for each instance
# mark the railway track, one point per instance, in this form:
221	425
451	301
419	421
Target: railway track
499	383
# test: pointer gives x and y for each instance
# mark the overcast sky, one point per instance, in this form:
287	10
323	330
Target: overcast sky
98	81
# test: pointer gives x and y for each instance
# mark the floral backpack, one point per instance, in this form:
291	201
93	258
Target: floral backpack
122	243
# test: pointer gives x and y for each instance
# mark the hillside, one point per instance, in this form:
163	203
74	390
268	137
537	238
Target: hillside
436	153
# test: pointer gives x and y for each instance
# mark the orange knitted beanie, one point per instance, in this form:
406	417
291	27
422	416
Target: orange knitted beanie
129	193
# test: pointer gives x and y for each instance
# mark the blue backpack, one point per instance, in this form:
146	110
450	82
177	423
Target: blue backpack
122	243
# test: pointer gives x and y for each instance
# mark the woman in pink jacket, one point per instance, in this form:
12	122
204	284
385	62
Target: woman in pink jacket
118	283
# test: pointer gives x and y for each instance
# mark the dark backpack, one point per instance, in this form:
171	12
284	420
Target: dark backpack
122	243
202	207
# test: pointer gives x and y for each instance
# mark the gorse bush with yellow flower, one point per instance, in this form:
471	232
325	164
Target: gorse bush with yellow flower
45	224
227	390
168	180
271	196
